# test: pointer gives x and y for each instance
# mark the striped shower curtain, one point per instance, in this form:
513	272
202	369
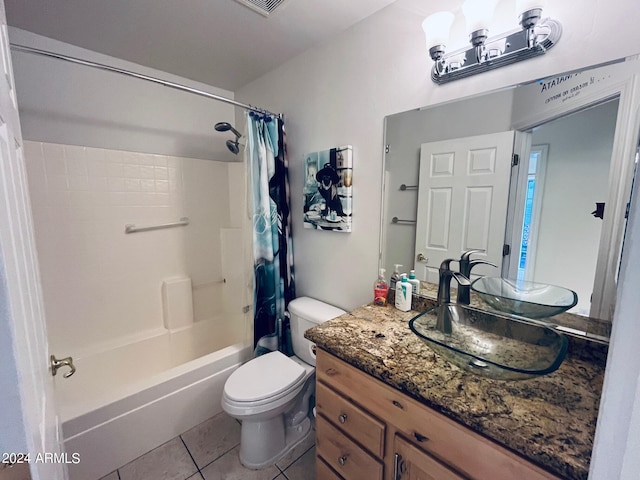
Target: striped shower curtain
274	285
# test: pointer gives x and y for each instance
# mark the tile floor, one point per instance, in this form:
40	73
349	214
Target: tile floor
209	451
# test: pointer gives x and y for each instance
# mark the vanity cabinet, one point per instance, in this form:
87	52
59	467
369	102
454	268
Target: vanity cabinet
368	430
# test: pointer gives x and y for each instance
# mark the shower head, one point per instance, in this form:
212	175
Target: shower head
225	127
234	147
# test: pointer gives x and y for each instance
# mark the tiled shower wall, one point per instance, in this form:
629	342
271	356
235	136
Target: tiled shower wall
102	287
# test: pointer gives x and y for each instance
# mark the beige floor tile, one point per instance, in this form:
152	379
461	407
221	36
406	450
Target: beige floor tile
304	468
297	451
212	438
228	467
111	476
170	461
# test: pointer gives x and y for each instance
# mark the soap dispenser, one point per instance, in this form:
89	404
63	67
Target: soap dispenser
380	289
403	294
415	283
395	277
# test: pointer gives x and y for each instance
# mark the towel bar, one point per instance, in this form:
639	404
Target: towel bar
129	228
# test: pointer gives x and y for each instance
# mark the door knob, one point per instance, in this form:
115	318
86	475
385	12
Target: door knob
63	362
421	258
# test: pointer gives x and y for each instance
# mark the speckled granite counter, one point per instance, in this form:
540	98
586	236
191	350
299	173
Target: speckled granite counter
550	420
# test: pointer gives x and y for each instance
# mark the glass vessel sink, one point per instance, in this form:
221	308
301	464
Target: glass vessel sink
492	345
527	299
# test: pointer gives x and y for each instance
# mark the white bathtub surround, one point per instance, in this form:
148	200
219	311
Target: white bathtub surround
147	369
101	285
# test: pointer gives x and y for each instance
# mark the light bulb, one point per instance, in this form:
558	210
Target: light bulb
526	5
478	14
437	27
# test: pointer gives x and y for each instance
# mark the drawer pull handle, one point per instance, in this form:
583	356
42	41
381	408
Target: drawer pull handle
419	437
342	418
342	460
331	372
398	404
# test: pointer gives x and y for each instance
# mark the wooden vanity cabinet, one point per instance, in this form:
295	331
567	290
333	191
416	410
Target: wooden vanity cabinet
367	430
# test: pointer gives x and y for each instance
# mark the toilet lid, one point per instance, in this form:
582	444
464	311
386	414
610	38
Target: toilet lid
263	377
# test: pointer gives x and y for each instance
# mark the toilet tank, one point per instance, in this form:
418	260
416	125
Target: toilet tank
305	313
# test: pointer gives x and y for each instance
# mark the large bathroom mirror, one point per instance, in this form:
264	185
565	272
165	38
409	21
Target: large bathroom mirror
538	176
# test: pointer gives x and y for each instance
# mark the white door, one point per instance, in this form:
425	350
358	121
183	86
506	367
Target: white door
26	388
462	201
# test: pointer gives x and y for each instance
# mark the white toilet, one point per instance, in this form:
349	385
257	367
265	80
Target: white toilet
270	394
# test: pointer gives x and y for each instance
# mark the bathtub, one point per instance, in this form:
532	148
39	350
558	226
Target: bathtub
116	408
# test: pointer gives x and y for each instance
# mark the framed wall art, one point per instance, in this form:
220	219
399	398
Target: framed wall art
328	187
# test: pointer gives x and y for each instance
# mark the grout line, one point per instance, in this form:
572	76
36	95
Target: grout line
220	456
191	456
297	458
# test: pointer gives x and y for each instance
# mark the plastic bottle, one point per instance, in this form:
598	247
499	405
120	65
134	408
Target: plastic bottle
395	276
415	283
380	290
403	294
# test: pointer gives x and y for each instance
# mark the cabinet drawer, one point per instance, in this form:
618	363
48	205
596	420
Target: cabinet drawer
355	422
473	455
323	472
343	455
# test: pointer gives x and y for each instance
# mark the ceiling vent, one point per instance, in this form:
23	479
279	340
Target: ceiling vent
263	7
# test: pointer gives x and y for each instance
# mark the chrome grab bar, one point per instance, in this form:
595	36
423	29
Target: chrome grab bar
129	228
63	362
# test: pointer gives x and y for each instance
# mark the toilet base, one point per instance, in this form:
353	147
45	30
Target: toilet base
264	443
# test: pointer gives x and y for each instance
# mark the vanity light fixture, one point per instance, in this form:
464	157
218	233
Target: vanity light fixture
534	37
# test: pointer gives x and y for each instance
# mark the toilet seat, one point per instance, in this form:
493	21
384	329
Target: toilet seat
264	379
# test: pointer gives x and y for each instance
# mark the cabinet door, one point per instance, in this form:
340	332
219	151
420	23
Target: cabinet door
411	463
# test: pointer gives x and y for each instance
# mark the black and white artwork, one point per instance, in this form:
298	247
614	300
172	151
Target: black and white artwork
328	188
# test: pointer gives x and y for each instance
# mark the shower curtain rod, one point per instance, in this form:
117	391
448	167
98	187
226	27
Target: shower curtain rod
108	68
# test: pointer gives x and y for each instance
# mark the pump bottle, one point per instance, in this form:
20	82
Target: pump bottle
380	290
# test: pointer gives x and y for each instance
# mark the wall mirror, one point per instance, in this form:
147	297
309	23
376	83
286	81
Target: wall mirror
537	175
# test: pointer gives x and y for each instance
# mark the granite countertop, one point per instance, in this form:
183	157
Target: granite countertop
550	420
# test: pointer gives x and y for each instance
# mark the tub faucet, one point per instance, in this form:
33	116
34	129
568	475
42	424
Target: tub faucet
465	266
443	322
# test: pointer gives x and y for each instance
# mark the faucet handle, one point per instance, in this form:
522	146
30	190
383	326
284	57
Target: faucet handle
467	254
446	264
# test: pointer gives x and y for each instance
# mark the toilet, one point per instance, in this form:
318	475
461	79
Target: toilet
270	394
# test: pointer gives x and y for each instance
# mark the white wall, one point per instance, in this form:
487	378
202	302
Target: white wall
340	92
102	287
577	175
61	102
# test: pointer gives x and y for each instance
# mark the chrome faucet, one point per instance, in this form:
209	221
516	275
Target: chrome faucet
443	322
465	266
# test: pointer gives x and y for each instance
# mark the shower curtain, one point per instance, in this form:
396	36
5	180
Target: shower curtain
274	285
